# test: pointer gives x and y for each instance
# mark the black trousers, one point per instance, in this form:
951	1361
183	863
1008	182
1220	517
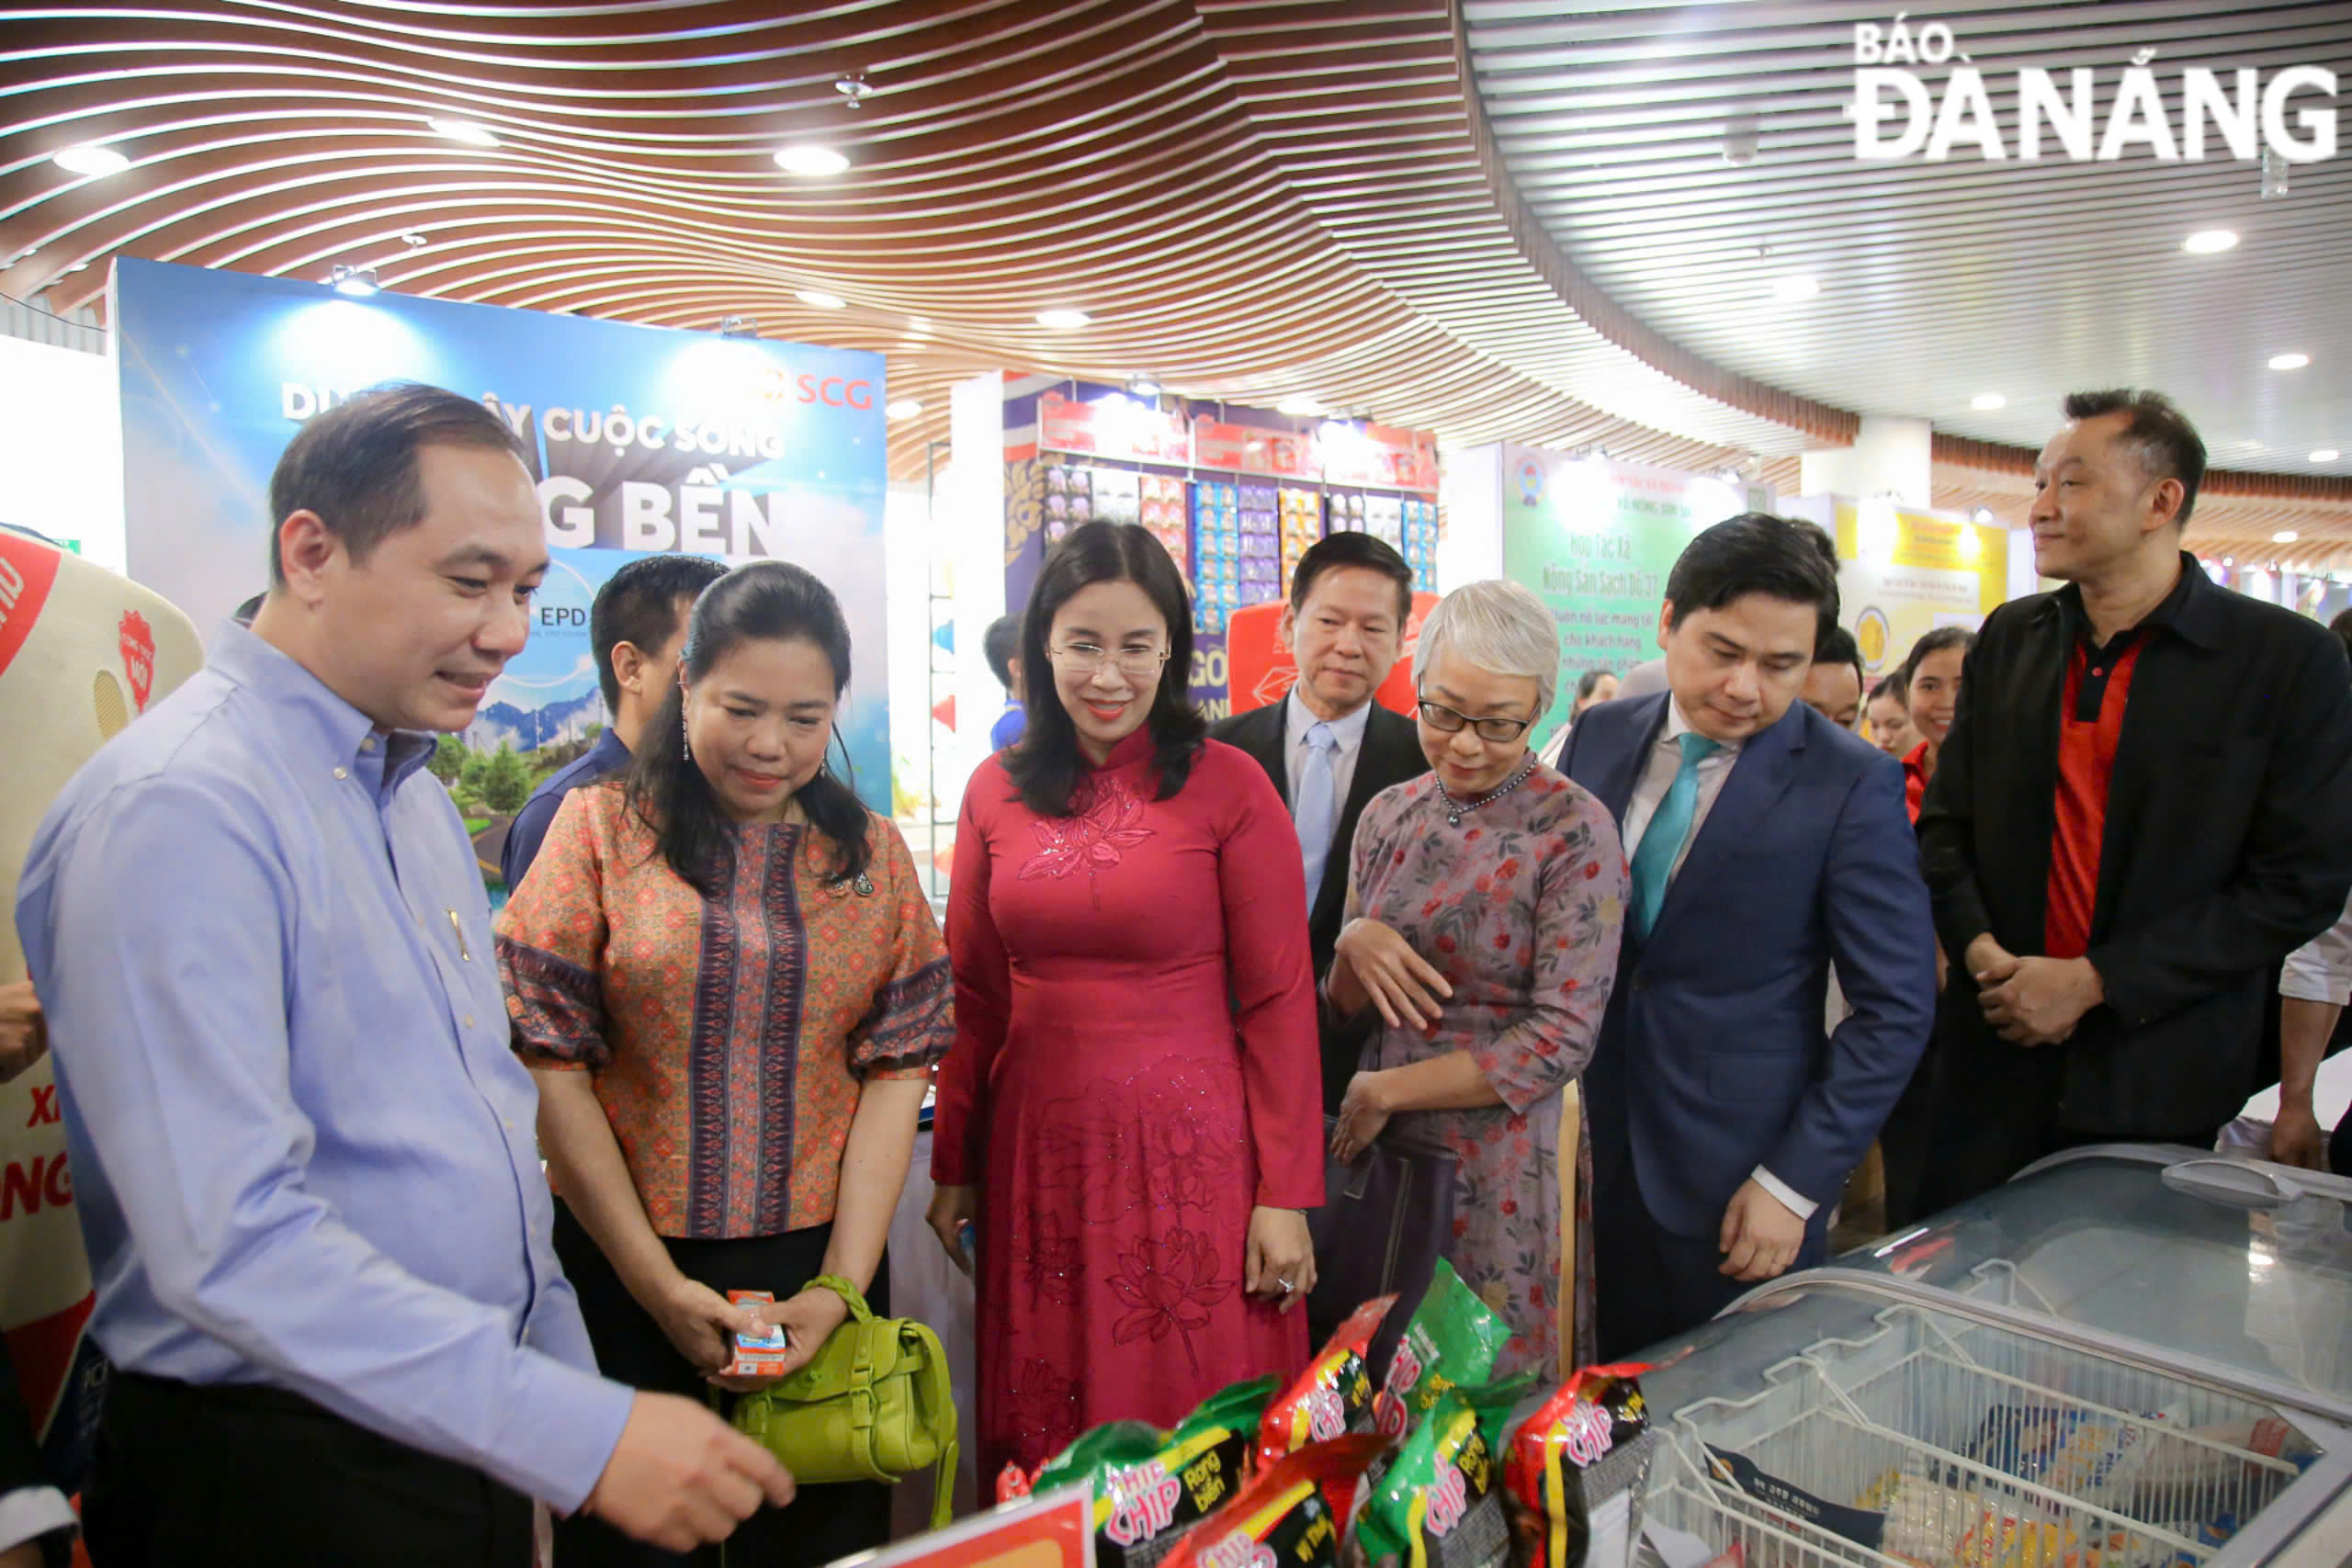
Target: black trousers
226	1477
1651	1284
822	1522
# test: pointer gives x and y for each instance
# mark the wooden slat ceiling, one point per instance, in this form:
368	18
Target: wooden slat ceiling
1941	281
1253	198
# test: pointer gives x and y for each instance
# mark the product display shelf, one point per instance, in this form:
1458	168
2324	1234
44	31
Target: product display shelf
1932	1420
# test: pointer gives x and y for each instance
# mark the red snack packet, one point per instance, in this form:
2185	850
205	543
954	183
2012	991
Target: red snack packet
1592	1413
1330	1397
1012	1484
1295	1512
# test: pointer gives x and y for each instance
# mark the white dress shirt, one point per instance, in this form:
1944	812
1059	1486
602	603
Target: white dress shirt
2321	970
1348	737
1666	760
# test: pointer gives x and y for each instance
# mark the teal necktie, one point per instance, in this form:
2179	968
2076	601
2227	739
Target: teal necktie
1662	842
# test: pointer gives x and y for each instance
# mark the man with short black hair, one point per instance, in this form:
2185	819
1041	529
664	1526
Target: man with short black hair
303	1149
2143	805
1329	747
1764	842
637	629
1001	644
1833	687
1649	678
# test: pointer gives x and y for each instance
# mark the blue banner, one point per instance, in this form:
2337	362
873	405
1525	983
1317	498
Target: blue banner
644	439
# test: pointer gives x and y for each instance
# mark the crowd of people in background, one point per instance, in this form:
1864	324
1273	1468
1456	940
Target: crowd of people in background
1652	986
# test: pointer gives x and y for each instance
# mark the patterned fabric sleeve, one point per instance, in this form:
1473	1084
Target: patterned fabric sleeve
1579	912
912	1021
550	938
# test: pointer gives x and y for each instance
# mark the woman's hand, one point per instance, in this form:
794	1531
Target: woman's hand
808	1320
1281	1264
1363	1114
952	1208
1399	981
699	1321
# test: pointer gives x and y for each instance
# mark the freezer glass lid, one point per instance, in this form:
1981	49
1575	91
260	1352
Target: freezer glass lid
2233	1262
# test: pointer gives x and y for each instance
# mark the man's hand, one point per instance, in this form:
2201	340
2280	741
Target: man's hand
2296	1137
681	1477
1760	1235
2042	1001
1989	963
24	1554
1362	1113
24	1036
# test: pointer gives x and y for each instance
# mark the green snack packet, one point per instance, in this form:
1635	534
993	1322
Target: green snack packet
1452	1338
1441	1503
1151	1486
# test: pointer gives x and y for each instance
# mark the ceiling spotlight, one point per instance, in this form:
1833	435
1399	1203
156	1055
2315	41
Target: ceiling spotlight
1989	401
739	326
1795	286
90	160
2275	176
1143	387
79	266
2290	361
356	281
2285	537
854	87
1299	406
817	299
904	408
1981	515
412	240
1063	321
2326	454
464	130
2211	241
809	158
1739	138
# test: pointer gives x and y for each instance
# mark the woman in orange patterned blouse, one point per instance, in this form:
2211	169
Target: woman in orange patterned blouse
729	985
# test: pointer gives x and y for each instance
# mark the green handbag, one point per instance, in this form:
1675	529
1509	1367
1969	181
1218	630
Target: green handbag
874	1405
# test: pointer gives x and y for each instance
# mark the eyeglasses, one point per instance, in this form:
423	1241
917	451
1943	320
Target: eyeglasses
1438	716
1087	658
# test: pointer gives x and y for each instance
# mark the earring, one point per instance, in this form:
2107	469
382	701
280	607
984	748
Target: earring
686	739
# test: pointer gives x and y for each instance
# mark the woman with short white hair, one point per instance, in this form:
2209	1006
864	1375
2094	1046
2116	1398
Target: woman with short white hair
1484	904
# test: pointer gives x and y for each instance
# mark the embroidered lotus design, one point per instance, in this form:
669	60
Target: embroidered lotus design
1093	840
1168	1285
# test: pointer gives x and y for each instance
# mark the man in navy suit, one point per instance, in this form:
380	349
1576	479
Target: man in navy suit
1765	841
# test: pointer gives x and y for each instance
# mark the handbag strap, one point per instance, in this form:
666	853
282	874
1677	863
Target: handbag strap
850	1295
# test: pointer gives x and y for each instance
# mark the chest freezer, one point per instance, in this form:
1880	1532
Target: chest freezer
2127	1358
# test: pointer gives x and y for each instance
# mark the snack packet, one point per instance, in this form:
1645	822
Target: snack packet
1440	1504
1295	1513
1150	1486
1452	1338
1332	1397
1594	1410
757	1356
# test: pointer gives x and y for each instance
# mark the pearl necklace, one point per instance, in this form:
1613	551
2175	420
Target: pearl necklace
1454	808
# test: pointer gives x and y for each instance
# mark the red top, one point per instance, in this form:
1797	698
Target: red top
1914	779
2099	682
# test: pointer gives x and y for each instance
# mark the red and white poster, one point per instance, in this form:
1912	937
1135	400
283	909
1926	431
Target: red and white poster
1116	426
1262	670
1247	449
83	652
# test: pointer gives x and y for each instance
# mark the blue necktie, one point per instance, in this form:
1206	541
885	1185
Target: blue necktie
1662	840
1318	807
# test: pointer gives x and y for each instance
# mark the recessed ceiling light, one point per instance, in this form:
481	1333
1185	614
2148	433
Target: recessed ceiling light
2211	241
2326	454
464	130
2290	361
2285	537
1795	286
818	299
905	407
89	161
1063	321
1299	405
1988	400
810	159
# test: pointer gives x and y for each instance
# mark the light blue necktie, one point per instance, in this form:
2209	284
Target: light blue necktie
1318	807
1662	840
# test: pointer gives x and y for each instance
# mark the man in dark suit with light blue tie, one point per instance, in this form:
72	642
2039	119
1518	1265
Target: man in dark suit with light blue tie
1764	842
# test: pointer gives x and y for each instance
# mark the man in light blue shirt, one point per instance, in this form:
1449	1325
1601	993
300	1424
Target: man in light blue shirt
302	1150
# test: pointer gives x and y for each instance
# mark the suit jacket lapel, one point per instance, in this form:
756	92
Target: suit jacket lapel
1617	777
1260	735
1383	760
1757	779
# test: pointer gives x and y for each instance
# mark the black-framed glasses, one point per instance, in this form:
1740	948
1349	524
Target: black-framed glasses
1087	658
1439	717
